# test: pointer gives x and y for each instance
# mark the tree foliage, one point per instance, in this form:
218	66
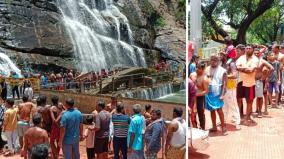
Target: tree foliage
237	15
266	28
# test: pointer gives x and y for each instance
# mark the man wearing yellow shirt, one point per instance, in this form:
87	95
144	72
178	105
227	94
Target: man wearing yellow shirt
230	98
10	126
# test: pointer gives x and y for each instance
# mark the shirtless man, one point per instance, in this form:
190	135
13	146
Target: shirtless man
147	113
193	76
113	104
26	111
202	84
34	136
276	51
280	57
43	109
263	70
55	114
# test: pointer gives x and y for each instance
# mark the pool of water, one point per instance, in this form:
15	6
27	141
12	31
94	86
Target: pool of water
177	97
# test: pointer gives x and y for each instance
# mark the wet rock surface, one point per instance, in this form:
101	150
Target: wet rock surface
156	26
33	27
34	30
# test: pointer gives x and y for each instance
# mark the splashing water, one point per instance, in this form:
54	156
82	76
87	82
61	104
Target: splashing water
7	65
100	34
151	93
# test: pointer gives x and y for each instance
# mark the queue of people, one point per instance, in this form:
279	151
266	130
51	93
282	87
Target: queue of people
250	72
18	89
68	80
19	85
30	128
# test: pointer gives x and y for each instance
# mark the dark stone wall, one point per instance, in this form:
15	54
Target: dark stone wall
32	30
33	26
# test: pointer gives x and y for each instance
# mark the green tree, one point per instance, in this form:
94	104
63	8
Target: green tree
237	14
265	29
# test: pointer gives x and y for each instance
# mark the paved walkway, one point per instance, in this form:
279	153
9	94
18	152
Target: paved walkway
265	140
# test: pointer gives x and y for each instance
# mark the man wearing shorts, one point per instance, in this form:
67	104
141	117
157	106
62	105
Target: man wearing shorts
279	57
247	65
102	131
240	52
25	113
262	71
274	78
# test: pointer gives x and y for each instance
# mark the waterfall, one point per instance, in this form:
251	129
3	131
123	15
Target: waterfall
150	93
100	34
7	65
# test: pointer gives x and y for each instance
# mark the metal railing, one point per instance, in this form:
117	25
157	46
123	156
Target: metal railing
111	84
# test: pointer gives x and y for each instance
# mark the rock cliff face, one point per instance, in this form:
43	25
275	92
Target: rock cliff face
158	25
32	30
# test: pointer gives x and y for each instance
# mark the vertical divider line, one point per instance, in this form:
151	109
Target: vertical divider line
186	77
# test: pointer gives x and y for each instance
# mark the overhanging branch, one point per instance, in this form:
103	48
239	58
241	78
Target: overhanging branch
207	12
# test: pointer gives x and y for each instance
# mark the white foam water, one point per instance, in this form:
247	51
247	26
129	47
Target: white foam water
7	65
100	34
151	93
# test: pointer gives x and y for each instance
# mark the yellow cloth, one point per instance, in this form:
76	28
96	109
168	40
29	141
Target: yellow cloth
10	119
231	84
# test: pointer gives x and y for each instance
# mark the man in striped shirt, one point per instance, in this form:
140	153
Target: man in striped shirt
120	125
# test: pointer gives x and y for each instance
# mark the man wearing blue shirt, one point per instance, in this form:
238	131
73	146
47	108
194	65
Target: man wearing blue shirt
44	81
135	134
154	134
71	130
193	63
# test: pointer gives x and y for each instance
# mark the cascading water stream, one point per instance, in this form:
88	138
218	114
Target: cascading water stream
7	65
151	93
100	34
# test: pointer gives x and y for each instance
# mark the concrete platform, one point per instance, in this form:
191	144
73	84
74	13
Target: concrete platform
263	140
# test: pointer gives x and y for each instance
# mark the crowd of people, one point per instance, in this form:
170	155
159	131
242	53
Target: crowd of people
69	79
72	79
16	84
39	131
250	72
17	88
